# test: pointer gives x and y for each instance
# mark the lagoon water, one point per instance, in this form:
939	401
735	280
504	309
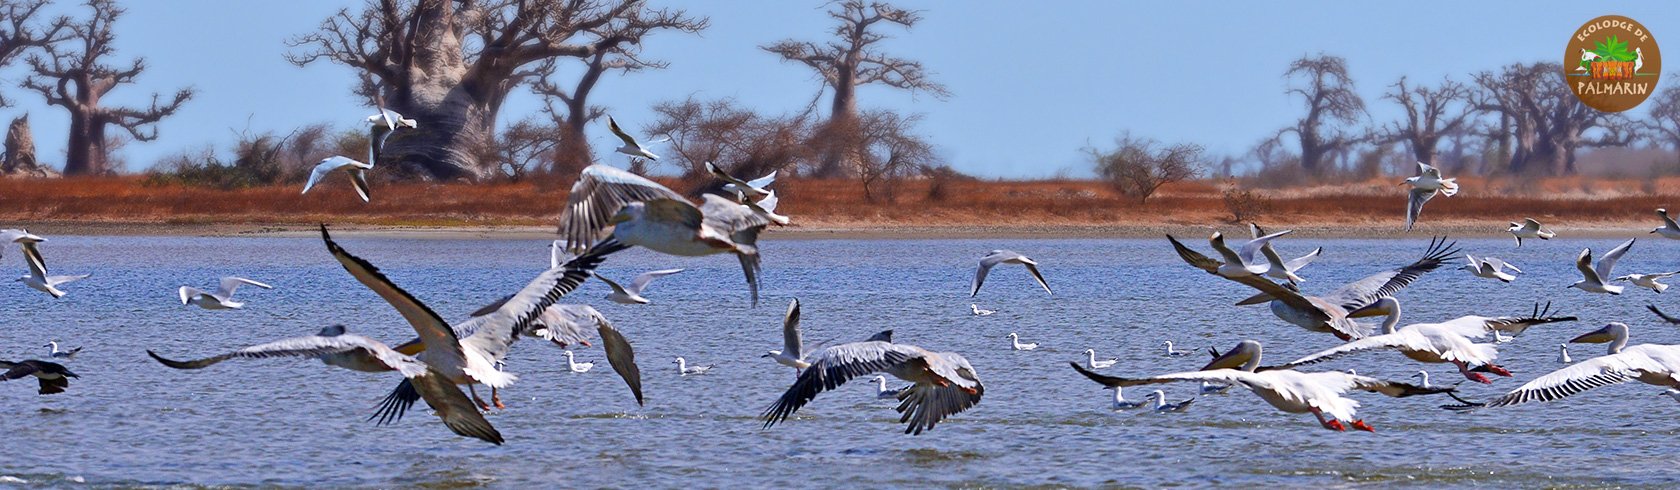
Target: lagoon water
130	421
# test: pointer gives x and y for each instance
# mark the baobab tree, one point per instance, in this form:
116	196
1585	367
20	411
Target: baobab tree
1327	89
18	32
849	61
73	74
735	138
452	63
1549	122
1430	114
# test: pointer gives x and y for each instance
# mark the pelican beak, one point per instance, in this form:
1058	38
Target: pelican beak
1599	336
1232	359
619	218
1374	309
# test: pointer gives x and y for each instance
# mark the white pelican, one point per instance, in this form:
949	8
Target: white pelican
1489	267
53	377
577	367
641	212
1158	399
633	295
995	257
1529	229
1277	268
1648	281
1241	262
944	383
1290	391
38	278
1096	364
1669	229
1586	56
1015	342
61	354
1651	364
356	169
1446	342
1329	313
1638	60
882	392
1594	276
793	346
631	147
222	299
684	369
1563	354
752	189
1175	352
975	309
1425	185
467	353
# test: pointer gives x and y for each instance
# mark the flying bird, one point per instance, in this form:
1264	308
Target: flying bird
222	299
333	346
1593	275
752	189
1277	268
356	169
38	278
633	295
1490	268
793	346
1529	229
1669	229
1652	364
1425	185
1648	281
631	147
54	377
944	384
1241	262
995	257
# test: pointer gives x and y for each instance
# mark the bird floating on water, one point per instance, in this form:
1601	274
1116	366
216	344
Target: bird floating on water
1563	354
1096	364
975	309
683	369
882	392
1158	399
1175	352
61	354
1015	342
577	367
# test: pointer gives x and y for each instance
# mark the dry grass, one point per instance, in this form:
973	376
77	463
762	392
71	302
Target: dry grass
840	204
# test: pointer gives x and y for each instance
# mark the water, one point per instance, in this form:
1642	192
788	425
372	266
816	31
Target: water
130	421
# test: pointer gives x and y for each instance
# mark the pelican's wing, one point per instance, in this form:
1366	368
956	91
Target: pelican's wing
628	141
1248	249
230	283
458	413
1583	263
434	332
835	366
1414	204
310	346
598	195
1391	388
728	216
19	370
1406	338
621	357
641	282
32	255
1607	263
1358	294
493	333
1278	292
1589	374
792	345
1224	376
1664	316
923	405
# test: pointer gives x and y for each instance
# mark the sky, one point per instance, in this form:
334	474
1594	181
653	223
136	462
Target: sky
1031	83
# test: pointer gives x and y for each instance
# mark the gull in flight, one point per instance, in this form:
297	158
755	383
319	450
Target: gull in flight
222	299
38	278
1158	399
1015	342
1490	268
1563	354
995	257
1330	312
1241	263
1529	229
633	295
793	346
61	354
1648	281
975	308
1593	275
356	169
1425	185
380	127
1277	268
54	377
684	369
1651	364
1174	352
1096	364
752	189
640	212
1669	229
19	236
1289	391
882	392
1446	342
631	147
577	367
944	384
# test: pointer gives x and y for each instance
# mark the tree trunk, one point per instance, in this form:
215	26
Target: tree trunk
573	153
84	153
456	114
839	131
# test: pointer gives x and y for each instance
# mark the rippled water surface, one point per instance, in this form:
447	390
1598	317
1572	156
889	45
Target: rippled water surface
130	421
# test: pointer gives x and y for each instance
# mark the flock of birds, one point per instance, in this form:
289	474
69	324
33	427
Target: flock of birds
611	210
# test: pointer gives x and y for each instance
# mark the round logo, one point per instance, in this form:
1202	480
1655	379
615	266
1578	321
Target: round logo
1612	63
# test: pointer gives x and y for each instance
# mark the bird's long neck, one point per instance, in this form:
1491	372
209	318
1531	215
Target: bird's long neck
1118	397
54	346
881	385
1169	347
1093	355
1620	341
1160	399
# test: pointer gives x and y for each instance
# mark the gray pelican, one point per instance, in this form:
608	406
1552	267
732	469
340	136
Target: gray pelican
334	346
1529	229
633	295
1330	312
38	278
1652	364
53	377
995	257
222	299
944	384
1595	278
640	212
1290	391
1425	185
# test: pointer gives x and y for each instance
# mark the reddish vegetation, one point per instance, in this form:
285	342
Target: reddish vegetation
824	204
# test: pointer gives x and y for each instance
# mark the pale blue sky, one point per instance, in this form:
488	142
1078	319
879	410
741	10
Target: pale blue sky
1031	82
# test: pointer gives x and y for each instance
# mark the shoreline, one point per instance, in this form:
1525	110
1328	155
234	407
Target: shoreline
835	231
